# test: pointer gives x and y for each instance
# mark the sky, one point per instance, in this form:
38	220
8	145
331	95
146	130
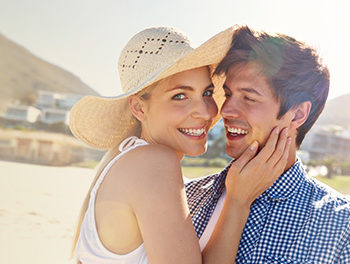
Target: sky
86	37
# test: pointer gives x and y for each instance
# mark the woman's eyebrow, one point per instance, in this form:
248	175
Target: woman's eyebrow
210	86
188	88
181	87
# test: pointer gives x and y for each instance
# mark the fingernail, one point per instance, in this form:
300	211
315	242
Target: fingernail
289	140
254	145
277	130
285	131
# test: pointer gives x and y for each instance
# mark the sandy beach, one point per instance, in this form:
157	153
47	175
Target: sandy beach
39	206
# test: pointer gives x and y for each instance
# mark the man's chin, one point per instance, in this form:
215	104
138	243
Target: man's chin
235	154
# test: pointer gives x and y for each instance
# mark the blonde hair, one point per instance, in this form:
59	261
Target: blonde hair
111	153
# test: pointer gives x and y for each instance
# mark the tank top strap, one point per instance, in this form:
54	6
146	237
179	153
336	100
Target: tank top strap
126	145
130	142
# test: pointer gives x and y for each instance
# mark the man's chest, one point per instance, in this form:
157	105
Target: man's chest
275	233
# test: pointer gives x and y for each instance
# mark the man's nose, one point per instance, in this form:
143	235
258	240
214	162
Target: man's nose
230	109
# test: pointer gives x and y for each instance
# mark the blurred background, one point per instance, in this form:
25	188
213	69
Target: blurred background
54	52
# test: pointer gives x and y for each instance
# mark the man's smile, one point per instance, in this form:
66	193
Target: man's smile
237	131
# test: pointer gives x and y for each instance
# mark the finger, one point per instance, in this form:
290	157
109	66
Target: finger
266	152
281	164
280	147
246	156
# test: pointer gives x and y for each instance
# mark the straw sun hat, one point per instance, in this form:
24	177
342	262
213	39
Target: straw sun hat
151	55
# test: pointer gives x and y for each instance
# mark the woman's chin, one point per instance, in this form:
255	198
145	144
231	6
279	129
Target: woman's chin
195	153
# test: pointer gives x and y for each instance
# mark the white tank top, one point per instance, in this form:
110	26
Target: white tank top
212	222
89	248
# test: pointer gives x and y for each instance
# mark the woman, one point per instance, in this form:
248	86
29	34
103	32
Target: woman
136	211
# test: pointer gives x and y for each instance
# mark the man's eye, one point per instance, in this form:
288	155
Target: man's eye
249	99
208	93
227	95
180	96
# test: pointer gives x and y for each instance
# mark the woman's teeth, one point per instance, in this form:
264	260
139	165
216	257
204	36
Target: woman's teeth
238	131
193	132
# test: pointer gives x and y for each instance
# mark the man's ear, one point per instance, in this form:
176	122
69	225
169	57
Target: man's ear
300	114
136	105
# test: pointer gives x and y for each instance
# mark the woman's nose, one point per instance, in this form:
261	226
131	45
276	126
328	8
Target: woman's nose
205	110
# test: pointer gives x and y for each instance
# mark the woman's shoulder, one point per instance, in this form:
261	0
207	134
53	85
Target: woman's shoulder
151	171
149	155
154	149
148	161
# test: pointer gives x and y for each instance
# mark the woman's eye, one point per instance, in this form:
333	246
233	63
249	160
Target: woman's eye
227	95
208	93
180	96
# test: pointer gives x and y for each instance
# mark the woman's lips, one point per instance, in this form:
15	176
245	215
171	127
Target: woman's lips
197	133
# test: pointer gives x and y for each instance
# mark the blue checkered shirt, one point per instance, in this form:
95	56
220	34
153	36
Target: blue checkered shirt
297	220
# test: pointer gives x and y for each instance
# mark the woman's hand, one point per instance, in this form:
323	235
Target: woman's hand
250	176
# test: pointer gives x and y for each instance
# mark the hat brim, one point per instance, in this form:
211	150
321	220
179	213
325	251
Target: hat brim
103	122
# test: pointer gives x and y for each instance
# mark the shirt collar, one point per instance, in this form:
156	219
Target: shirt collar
282	189
219	182
288	183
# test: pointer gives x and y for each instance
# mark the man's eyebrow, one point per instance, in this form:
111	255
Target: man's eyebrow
250	90
244	89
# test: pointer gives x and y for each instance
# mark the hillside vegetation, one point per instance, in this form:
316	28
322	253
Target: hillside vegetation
22	74
336	112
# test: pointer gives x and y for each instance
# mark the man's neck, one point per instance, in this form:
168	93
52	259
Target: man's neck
292	158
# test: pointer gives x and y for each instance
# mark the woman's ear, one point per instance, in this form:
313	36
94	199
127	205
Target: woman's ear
136	105
301	113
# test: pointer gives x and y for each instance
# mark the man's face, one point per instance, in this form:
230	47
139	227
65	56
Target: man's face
250	110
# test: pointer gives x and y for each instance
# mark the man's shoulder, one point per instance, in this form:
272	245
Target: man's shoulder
201	182
327	201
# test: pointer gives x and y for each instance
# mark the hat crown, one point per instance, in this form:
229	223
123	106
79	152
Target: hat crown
147	54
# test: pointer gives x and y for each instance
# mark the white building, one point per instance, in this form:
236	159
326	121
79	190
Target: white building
47	99
22	113
55	106
52	115
326	141
50	108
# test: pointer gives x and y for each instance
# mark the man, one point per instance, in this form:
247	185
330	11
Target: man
275	81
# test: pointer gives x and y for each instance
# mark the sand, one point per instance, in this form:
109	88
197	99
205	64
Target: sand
39	206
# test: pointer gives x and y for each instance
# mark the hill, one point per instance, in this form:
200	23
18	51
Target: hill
23	73
336	112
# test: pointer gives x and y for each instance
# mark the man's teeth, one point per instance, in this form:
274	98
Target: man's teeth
193	132
238	131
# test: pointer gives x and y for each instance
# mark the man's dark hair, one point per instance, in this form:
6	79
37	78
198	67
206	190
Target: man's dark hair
294	70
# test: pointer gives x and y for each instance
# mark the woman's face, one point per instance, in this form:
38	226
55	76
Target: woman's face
179	112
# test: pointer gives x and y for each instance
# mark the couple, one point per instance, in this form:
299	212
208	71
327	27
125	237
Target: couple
262	208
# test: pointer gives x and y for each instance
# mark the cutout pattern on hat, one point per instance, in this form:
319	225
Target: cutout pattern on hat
147	53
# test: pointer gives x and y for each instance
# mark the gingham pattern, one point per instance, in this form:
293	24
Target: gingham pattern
297	220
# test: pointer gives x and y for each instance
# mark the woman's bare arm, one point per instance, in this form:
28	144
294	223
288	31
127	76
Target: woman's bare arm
157	196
